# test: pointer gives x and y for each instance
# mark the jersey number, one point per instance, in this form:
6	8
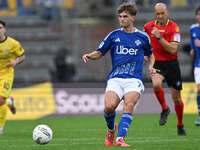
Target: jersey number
6	86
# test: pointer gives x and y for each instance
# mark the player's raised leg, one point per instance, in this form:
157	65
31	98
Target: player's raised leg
130	100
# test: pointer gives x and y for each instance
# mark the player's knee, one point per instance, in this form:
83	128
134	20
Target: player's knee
156	85
109	109
177	100
129	106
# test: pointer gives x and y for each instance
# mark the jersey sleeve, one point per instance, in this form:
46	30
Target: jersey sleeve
175	34
146	29
148	48
18	49
192	46
104	47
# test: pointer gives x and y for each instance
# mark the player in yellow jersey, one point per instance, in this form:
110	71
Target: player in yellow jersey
11	54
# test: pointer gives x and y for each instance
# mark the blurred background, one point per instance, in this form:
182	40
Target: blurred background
56	33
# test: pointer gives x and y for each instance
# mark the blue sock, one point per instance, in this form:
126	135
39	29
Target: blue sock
110	120
124	124
198	102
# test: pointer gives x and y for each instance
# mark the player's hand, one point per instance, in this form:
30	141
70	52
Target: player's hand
12	62
86	57
152	71
197	43
155	32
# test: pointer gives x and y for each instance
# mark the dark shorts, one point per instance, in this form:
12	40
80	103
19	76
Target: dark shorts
170	70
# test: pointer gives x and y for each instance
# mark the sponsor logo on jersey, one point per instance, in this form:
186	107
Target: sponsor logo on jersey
127	68
124	50
178	83
117	40
177	37
161	30
6	51
101	45
194	35
177	29
137	42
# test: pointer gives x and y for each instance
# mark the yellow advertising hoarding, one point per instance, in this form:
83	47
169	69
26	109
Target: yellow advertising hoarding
33	102
189	94
38	101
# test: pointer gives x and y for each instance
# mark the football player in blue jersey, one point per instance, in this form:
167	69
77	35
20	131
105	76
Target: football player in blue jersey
195	51
127	46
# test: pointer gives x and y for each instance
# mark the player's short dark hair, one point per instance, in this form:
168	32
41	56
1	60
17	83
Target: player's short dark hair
3	23
197	10
127	7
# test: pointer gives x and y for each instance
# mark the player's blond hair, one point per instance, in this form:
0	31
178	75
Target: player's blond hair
127	7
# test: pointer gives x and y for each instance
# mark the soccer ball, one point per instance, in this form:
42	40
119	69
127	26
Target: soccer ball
42	134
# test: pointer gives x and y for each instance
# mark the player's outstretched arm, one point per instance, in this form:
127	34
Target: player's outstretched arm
92	56
151	59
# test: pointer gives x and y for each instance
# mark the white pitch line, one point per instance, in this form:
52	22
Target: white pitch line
133	140
130	140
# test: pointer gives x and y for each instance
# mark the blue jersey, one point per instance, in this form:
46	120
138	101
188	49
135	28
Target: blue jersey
127	52
195	35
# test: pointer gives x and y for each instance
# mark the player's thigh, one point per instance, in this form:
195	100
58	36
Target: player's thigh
133	88
115	85
6	86
131	97
114	93
111	101
130	100
157	80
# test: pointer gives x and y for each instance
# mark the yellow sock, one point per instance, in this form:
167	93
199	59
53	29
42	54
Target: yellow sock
3	114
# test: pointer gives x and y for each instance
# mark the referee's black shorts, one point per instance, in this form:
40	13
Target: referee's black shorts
170	70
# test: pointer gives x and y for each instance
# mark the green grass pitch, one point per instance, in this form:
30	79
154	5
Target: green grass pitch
88	133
